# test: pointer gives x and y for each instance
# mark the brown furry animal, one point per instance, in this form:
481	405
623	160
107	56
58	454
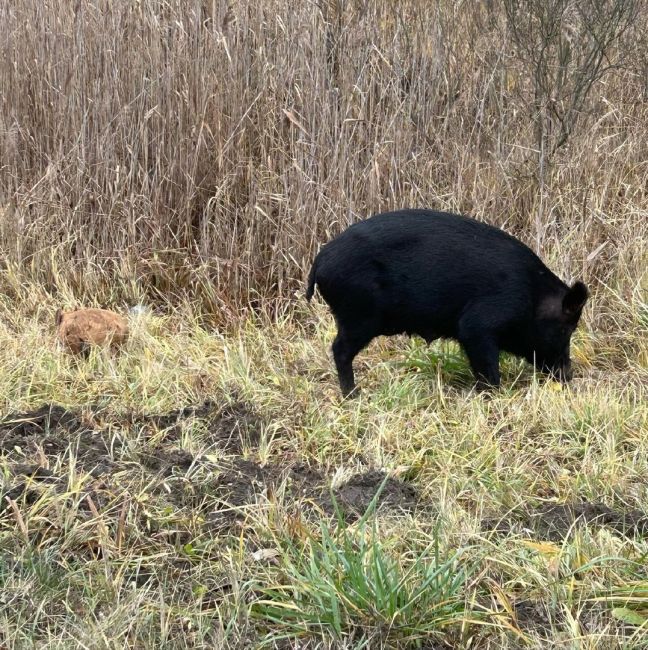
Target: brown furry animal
82	328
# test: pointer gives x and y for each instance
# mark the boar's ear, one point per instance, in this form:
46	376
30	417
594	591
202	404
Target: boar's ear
574	300
59	317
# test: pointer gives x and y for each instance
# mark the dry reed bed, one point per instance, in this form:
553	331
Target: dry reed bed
213	146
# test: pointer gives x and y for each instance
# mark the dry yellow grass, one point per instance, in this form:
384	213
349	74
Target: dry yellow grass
128	522
214	146
190	157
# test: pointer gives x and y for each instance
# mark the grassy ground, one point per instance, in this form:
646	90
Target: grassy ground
207	488
505	521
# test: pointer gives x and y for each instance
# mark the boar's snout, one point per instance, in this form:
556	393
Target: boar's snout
565	373
561	370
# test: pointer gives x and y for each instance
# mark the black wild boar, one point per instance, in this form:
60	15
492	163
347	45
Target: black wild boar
442	275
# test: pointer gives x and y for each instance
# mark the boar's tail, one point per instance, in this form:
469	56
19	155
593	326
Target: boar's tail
312	281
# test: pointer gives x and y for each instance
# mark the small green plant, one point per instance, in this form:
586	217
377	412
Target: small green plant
629	603
444	358
344	582
447	360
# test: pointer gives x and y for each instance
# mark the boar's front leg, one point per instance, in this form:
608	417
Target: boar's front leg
477	337
483	355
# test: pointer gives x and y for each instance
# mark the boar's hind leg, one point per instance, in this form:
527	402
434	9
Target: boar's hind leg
346	346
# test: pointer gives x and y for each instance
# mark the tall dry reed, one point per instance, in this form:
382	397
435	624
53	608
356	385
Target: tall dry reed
207	148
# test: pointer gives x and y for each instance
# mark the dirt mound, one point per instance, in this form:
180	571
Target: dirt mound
54	428
51	431
246	480
554	521
49	418
53	435
355	496
233	426
165	461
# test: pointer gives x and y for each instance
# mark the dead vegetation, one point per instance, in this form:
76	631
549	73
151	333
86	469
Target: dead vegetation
205	488
212	147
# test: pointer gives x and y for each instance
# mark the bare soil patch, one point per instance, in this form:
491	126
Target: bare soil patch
532	616
38	445
355	496
50	432
554	522
230	427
